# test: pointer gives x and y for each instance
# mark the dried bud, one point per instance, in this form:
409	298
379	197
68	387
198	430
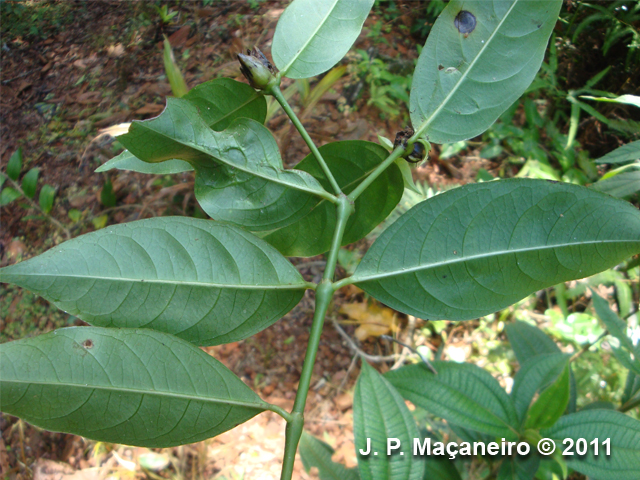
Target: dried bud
419	150
257	69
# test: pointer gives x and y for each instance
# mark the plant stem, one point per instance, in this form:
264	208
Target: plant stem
324	294
33	204
634	402
395	154
275	91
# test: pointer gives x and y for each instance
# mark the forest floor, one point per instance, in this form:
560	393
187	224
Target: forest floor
92	65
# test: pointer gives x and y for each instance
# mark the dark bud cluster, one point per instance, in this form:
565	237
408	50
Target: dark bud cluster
418	151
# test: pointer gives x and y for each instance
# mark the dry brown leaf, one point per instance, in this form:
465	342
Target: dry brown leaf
374	319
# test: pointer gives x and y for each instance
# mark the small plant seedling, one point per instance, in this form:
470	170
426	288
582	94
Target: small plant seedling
156	290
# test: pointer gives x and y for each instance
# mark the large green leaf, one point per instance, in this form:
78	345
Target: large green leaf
461	393
316	453
313	35
239	173
479	58
624	154
136	387
479	248
205	282
528	341
379	413
222	100
127	161
623	432
350	162
535	374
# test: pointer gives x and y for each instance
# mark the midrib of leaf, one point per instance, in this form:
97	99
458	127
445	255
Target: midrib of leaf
306	44
425	124
157	393
239	107
289	286
375	276
468	398
257	172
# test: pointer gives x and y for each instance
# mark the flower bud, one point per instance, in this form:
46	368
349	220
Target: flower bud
257	69
415	153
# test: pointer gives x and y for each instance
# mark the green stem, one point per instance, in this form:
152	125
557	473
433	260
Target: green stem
277	93
324	294
634	402
395	154
280	411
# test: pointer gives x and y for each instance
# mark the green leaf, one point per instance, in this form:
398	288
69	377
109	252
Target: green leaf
623	154
439	468
551	403
627	353
621	185
176	80
519	468
30	182
205	282
47	195
379	413
623	432
239	173
136	387
623	99
107	197
476	64
127	161
316	453
350	162
14	166
222	100
313	35
535	374
528	341
479	248
8	195
462	393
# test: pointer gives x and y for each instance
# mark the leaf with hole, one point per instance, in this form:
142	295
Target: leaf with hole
479	248
313	35
206	282
479	58
136	387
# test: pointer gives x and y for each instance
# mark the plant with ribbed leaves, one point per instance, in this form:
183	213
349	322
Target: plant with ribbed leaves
155	290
